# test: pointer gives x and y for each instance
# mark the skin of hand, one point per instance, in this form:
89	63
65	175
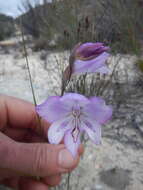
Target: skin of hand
24	150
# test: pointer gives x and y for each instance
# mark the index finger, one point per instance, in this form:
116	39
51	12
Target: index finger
17	113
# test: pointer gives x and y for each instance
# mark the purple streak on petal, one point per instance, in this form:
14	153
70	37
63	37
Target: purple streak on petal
93	129
91	49
57	130
67	124
70	99
89	124
90	65
97	110
88	44
70	144
52	109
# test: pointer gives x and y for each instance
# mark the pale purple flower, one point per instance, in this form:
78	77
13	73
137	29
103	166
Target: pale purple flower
89	58
71	115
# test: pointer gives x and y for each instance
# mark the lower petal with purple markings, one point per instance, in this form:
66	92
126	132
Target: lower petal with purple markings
93	129
57	130
71	144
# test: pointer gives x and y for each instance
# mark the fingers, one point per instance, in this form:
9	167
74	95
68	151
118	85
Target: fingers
21	114
52	180
81	150
11	182
22	183
25	184
29	184
16	134
37	159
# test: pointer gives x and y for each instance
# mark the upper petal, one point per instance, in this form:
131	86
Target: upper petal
97	100
57	130
70	144
84	46
70	99
88	49
98	110
90	66
52	109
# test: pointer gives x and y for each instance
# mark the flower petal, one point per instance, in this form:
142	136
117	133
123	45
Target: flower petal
89	49
57	130
90	66
97	100
93	129
98	110
70	144
100	60
52	109
70	99
88	44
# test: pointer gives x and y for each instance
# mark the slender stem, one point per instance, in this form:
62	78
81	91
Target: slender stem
30	77
27	64
68	181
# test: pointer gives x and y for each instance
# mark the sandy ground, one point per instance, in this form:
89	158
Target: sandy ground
116	164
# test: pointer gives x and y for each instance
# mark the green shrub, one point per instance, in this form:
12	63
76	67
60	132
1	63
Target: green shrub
6	26
139	63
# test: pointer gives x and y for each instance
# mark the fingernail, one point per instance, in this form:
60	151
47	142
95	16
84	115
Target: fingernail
66	160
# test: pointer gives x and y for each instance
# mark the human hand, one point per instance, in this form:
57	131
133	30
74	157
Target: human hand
24	151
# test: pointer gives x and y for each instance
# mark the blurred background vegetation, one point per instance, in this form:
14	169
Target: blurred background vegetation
60	24
63	23
7	27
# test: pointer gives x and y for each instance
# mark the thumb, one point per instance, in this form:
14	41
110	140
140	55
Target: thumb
37	159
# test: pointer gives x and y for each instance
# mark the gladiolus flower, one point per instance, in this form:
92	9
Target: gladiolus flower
71	115
89	58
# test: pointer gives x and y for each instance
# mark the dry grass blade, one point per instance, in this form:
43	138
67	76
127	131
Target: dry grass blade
27	64
29	73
